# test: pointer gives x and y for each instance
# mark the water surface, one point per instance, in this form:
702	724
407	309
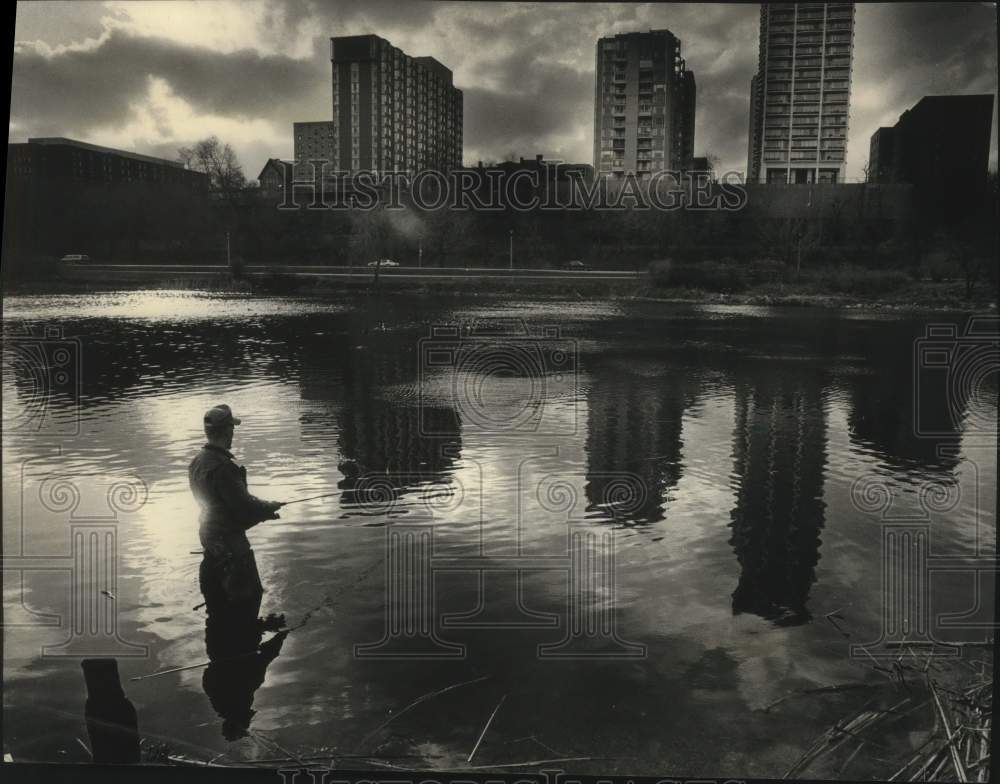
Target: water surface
735	454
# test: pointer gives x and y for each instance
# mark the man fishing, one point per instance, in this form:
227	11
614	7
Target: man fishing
229	579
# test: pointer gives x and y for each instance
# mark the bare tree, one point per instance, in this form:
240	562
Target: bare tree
216	159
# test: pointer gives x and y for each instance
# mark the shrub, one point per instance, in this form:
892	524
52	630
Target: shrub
859	281
939	265
716	276
891	253
18	268
659	271
767	270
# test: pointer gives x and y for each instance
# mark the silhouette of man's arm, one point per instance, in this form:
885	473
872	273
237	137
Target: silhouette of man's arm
246	510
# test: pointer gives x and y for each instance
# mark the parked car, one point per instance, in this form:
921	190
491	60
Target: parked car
75	258
576	264
383	263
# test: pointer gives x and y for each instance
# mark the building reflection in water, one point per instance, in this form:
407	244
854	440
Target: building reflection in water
388	439
635	427
779	459
884	418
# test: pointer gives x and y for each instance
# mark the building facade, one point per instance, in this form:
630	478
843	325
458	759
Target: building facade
941	146
392	112
66	196
644	103
272	177
800	96
550	182
66	163
313	141
881	154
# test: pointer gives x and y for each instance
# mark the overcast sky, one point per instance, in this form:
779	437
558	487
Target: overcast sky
154	76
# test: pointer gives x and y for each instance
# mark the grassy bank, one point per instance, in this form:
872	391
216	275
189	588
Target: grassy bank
839	287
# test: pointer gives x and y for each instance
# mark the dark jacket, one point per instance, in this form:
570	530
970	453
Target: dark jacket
219	485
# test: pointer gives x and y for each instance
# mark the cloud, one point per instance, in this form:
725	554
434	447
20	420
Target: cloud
159	70
527	122
94	85
140	92
904	51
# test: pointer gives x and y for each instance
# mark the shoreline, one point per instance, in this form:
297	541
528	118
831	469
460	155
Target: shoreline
915	297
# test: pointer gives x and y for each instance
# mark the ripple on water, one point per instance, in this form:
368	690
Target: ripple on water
746	431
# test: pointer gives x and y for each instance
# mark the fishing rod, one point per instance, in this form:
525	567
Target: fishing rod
283	504
310	498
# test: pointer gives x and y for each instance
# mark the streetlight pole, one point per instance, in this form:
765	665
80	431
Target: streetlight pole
512	249
229	260
420	255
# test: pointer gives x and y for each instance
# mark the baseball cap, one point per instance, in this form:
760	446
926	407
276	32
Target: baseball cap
220	415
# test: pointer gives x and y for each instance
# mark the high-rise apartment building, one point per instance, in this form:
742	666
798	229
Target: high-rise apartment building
313	141
943	142
941	146
644	100
800	96
392	112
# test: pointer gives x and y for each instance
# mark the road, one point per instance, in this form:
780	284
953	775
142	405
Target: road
316	271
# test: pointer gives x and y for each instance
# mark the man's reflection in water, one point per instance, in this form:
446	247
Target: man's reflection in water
239	662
